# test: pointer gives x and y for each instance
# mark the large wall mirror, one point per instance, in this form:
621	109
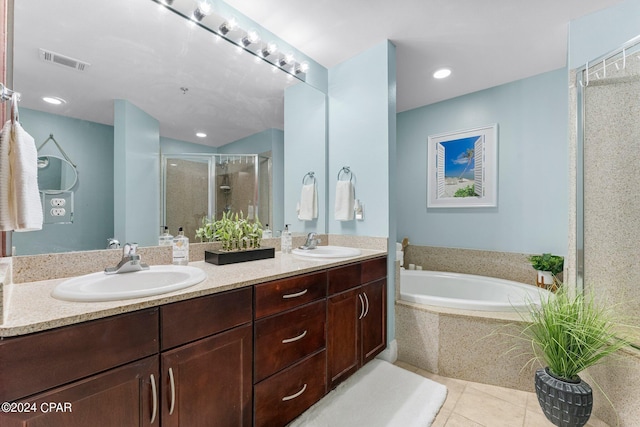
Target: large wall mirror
89	53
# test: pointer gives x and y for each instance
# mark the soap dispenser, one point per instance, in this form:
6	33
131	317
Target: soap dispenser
267	233
285	240
165	239
181	248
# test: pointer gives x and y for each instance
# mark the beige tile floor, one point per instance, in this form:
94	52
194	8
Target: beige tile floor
472	404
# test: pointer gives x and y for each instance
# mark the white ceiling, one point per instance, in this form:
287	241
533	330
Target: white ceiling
485	43
143	53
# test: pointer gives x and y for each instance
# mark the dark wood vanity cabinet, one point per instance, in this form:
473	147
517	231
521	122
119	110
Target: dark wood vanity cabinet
102	372
356	317
290	342
206	362
259	355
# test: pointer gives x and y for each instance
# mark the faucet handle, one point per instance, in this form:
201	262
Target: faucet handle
129	249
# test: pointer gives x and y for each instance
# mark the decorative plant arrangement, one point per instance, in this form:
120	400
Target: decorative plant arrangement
548	266
240	239
234	231
568	334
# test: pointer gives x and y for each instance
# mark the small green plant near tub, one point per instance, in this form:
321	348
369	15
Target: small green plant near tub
548	267
547	262
568	334
233	231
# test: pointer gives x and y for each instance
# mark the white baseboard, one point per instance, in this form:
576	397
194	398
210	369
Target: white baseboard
389	354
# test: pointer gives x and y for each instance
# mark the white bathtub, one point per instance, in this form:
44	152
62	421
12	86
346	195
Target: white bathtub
466	291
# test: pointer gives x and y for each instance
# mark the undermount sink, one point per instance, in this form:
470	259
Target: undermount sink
327	252
159	279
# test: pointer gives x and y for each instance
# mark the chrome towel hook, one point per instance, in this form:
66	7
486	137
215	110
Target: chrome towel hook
346	170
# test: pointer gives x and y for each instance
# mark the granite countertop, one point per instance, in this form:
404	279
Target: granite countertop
29	307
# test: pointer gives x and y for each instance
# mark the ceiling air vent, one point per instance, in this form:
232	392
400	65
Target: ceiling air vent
65	61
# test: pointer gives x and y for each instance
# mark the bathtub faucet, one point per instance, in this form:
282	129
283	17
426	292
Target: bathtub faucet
311	243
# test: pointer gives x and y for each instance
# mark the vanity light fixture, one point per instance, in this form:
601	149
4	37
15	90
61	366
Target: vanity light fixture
204	8
251	37
53	100
201	135
442	73
227	26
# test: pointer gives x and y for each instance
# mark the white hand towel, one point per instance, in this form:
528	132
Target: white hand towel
344	201
23	157
7	222
308	203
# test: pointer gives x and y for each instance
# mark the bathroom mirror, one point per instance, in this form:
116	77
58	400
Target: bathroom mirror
180	74
55	174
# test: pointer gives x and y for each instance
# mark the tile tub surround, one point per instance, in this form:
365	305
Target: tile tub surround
503	265
468	345
30	308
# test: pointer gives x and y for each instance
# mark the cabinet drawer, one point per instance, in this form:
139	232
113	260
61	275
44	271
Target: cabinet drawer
289	393
343	278
274	297
187	321
33	363
288	337
373	270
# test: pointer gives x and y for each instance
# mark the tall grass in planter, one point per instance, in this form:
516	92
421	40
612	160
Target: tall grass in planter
568	334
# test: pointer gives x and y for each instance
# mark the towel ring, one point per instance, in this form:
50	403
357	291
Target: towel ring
310	175
345	170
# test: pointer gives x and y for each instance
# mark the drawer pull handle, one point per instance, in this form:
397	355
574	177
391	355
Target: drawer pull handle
173	391
296	295
299	337
293	396
361	307
366	298
154	394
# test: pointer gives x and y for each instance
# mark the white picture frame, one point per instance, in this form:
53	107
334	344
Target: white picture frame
462	168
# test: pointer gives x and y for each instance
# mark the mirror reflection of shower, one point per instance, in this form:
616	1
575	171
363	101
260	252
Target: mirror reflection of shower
195	186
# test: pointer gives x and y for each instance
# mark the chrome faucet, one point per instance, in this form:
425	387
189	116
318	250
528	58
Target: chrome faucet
311	243
130	261
113	243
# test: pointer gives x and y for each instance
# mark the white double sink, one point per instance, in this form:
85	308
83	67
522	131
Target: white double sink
158	279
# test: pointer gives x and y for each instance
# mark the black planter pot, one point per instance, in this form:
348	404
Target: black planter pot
565	404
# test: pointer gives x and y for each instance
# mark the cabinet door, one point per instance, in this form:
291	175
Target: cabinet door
373	325
343	313
118	397
209	382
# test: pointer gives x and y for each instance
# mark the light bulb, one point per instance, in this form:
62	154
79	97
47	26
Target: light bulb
269	49
204	8
302	67
251	37
228	25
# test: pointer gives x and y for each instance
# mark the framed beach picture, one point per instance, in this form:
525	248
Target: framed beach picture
462	168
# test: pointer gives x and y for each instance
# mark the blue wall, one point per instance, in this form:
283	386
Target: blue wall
174	146
599	33
532	211
361	136
136	196
305	150
90	146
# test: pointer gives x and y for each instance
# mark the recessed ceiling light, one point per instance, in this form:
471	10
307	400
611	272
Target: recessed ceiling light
442	73
201	135
54	100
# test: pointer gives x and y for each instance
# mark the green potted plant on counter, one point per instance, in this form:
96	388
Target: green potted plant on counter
568	334
548	267
240	238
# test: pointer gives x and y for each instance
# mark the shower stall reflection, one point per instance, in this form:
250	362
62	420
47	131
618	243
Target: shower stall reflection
195	186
